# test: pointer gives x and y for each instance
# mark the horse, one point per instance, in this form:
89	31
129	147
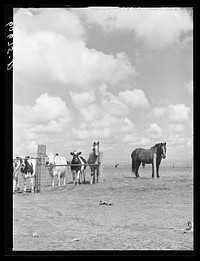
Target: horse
153	156
94	159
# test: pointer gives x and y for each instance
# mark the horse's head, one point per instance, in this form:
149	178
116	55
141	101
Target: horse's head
163	150
96	148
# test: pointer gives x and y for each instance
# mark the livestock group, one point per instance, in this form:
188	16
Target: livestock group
57	168
57	165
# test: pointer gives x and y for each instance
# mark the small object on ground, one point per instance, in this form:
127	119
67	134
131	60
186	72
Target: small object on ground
75	239
102	202
35	234
116	165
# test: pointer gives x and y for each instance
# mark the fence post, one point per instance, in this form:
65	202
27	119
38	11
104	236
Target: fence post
101	166
41	153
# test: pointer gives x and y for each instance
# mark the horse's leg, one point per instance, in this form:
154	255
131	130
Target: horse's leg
157	169
136	169
97	170
92	175
154	165
133	166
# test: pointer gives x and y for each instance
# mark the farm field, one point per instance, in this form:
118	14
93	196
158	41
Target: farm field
141	214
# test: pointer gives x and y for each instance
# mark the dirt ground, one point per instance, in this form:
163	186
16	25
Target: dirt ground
145	213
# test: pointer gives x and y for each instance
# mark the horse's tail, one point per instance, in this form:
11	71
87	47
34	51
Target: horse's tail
133	163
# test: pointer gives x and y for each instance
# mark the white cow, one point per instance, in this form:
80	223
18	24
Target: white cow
59	171
16	171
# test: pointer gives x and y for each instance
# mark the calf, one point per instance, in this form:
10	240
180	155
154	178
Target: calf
78	170
28	168
59	171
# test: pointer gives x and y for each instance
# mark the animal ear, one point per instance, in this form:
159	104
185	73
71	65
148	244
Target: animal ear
165	143
98	143
71	153
79	153
94	143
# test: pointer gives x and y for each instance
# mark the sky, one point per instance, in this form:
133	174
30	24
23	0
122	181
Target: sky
120	76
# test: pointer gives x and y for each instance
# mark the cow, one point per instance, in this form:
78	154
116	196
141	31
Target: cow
59	171
16	171
28	168
77	171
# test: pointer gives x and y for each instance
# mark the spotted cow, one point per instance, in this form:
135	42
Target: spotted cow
77	170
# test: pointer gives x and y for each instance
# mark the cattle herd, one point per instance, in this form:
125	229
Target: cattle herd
57	167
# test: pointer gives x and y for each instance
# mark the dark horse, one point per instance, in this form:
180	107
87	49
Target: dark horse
94	159
152	156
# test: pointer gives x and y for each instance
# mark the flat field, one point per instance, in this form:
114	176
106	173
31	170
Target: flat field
141	214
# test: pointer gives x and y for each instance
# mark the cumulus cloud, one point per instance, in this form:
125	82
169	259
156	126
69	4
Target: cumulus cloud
176	128
156	27
108	126
136	98
60	21
48	109
82	98
154	130
58	52
176	113
124	102
94	104
49	115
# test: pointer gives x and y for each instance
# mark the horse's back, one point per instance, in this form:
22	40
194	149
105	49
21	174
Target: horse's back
136	152
142	155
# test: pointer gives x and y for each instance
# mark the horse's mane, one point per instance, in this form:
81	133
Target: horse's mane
156	145
157	148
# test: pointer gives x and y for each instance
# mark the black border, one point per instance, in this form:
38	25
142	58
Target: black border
8	141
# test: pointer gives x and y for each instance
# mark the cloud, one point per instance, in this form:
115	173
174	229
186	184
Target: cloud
58	20
156	27
82	98
32	125
108	126
56	51
176	128
176	113
136	98
48	109
96	103
154	130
